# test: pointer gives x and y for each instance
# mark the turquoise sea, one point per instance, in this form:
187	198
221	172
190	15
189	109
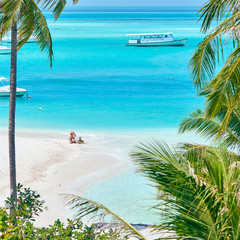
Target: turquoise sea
97	83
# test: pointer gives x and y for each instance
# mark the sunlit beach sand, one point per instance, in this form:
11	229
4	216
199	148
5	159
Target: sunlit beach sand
48	163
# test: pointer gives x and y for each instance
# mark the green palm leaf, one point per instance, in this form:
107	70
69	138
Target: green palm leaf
57	6
9	15
32	22
199	122
197	197
178	190
203	63
216	10
85	207
224	90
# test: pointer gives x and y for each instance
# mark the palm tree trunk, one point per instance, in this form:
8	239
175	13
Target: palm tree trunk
12	107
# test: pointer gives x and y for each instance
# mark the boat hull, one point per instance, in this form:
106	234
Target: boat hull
5	91
29	41
7	94
8	40
5	51
175	43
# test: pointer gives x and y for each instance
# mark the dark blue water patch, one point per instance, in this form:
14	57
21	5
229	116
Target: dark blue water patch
132	9
122	16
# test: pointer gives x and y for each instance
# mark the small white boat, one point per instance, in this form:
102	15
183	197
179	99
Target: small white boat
4	49
7	39
5	90
154	39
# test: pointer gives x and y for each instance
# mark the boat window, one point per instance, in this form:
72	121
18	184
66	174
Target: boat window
166	36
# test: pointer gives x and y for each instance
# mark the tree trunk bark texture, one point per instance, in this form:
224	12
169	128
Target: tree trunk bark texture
12	109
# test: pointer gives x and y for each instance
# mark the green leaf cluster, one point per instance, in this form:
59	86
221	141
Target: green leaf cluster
220	119
20	224
198	189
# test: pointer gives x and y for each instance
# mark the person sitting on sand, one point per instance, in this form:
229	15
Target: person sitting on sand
72	137
81	141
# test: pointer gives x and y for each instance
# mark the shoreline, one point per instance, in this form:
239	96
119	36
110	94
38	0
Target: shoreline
52	166
46	162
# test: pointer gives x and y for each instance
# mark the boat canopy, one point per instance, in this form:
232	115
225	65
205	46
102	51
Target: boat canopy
4	79
148	34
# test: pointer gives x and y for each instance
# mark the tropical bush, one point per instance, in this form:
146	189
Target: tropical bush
20	223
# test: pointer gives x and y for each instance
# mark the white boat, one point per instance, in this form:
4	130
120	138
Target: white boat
5	90
4	49
7	39
154	39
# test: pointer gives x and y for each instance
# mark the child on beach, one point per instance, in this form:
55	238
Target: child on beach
80	141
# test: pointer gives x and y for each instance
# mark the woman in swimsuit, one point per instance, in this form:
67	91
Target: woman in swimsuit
72	137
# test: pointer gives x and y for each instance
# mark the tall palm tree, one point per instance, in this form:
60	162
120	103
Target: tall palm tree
24	18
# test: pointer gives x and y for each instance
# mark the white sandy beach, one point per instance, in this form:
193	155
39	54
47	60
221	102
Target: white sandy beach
46	162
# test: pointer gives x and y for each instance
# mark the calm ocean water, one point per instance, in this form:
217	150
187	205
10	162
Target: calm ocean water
98	83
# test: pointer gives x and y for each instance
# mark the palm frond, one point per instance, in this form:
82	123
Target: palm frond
84	207
216	10
179	193
225	87
203	63
212	128
195	204
30	21
57	6
33	22
198	121
9	15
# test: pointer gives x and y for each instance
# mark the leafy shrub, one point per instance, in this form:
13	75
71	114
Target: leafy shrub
20	224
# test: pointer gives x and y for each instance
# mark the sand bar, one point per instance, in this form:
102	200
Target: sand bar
48	163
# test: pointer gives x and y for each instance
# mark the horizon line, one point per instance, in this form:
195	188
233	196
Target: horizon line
134	6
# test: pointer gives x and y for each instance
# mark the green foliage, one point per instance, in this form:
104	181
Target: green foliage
217	10
73	230
85	207
220	119
20	225
28	204
198	189
7	230
216	127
